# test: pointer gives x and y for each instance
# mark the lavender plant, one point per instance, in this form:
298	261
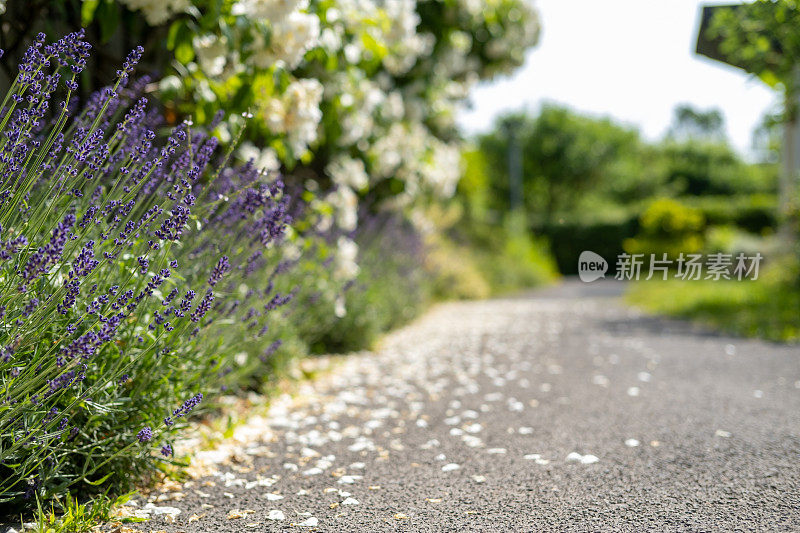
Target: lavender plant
132	279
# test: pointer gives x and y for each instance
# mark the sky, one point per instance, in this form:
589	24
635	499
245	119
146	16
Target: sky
632	60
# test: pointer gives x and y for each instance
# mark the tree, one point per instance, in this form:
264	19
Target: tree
763	38
563	155
690	123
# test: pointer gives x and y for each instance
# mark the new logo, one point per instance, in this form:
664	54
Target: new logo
591	266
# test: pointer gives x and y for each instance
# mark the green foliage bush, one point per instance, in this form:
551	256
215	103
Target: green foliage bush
391	287
667	226
496	245
732	240
570	237
755	213
512	258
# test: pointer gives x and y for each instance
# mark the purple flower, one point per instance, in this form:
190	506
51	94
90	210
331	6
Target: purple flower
145	435
85	262
172	226
185	304
184	409
48	255
203	307
166	450
223	265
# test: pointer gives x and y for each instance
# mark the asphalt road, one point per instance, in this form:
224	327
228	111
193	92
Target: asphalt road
562	410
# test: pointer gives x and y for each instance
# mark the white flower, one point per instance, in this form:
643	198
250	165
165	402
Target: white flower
349	172
211	51
345	205
346	267
157	11
291	38
352	53
297	113
273	10
266	159
339	308
330	39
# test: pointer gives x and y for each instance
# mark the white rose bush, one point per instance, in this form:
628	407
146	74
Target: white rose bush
180	220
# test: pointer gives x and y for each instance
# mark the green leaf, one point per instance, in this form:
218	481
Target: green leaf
108	15
172	34
87	11
99	481
184	52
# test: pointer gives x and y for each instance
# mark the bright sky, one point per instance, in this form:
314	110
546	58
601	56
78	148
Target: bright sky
630	59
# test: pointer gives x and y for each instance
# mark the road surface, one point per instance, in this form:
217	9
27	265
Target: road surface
561	410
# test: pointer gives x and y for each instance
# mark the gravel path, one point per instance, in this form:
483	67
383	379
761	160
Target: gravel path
559	411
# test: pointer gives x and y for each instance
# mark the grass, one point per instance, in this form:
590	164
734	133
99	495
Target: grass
76	517
764	308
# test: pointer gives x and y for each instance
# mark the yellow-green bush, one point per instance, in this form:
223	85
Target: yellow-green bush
668	226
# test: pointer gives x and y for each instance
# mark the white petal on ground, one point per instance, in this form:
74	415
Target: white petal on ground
531	456
157	511
722	433
449	467
276	515
496	451
350	501
349	480
589	459
633	391
574	456
273	497
524	430
472	441
631	443
309	522
308	452
515	405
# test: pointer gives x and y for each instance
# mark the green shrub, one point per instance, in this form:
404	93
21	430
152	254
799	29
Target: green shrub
453	272
766	308
754	213
391	287
517	259
667	226
731	240
568	238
